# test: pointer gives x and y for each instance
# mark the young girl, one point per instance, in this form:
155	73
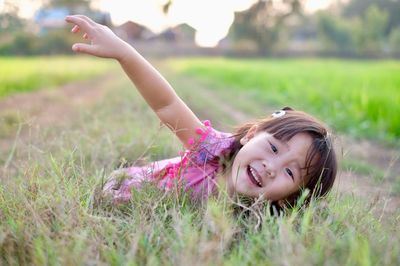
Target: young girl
274	158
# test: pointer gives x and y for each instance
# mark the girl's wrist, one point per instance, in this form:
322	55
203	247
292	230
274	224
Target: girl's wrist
124	52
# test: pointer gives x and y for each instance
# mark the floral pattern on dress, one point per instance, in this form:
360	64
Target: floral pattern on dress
196	168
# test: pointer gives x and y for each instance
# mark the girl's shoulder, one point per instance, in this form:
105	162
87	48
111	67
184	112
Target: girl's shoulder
210	144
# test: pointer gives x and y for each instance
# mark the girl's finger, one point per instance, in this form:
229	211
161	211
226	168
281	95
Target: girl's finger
75	29
85	36
81	23
85	18
83	48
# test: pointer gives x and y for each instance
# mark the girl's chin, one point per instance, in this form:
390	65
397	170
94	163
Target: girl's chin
247	194
246	190
241	184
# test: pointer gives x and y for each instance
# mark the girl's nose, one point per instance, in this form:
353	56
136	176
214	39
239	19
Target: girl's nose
269	168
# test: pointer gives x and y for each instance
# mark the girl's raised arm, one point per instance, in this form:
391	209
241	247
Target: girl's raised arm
157	92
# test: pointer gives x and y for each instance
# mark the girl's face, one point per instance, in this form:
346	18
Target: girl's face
268	166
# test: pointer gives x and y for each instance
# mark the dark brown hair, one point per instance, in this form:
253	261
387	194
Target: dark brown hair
321	162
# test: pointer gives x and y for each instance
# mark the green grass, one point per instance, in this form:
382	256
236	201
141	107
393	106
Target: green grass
24	74
45	192
396	186
363	169
360	98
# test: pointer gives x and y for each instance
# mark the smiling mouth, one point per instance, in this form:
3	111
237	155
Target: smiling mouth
253	176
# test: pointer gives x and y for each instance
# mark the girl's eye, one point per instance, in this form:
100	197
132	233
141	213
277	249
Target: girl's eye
273	148
290	173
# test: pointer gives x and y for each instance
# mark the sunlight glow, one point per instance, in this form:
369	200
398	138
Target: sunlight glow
314	5
210	18
26	8
148	13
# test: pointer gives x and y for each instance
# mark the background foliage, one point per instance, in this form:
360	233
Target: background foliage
24	75
357	97
355	28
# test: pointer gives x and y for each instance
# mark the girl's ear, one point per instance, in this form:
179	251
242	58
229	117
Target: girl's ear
249	135
244	140
252	131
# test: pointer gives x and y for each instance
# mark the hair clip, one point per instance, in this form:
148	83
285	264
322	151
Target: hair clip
278	114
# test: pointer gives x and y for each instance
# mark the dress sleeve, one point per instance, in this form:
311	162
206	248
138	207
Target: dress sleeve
210	146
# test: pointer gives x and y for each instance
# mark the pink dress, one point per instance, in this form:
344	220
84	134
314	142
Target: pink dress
196	169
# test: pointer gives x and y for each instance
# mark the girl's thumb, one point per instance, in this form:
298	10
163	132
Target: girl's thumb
82	48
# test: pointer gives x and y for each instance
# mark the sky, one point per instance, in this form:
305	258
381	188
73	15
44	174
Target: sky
211	25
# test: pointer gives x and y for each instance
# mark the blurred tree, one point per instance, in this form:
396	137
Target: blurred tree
356	8
9	20
394	41
362	35
23	44
165	7
371	37
264	22
335	33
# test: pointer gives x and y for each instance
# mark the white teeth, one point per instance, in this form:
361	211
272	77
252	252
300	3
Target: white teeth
256	177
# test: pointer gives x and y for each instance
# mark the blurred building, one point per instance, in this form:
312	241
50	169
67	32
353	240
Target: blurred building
54	18
178	40
131	31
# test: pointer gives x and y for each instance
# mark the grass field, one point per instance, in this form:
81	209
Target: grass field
29	74
46	183
360	98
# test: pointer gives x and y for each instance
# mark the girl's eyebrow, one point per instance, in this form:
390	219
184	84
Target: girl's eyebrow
283	143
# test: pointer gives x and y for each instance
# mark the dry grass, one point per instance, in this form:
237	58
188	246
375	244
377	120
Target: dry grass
46	218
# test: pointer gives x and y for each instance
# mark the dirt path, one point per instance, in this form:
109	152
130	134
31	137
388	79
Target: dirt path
55	105
49	108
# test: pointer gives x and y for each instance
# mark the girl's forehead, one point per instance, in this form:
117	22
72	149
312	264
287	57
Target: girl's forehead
298	147
301	138
299	143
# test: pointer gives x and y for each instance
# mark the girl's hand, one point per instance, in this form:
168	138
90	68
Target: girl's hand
103	42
